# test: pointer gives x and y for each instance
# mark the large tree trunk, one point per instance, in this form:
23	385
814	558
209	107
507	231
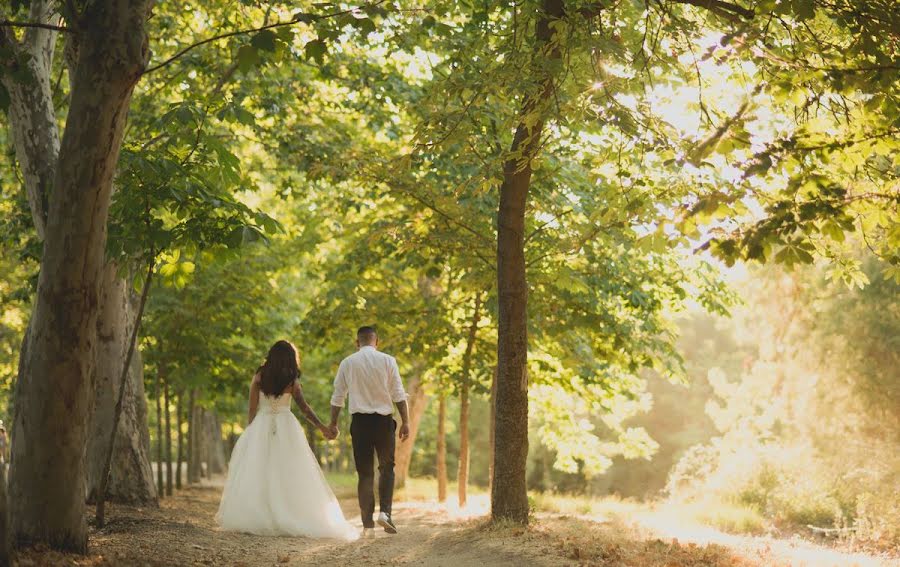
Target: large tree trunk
36	140
130	475
462	475
54	392
442	449
509	497
417	401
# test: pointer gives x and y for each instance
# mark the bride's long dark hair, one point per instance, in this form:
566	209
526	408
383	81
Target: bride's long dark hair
280	369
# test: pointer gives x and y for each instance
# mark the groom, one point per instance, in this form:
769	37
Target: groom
373	381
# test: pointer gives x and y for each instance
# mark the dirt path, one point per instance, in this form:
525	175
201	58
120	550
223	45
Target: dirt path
182	532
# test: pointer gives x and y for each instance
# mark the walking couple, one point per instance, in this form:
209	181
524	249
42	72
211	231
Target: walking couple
275	485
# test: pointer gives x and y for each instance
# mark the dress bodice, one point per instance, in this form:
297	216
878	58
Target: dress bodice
275	404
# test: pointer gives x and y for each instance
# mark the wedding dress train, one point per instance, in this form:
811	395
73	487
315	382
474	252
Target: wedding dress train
275	485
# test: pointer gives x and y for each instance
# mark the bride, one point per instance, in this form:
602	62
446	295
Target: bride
275	485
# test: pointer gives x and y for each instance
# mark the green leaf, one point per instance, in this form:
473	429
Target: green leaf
244	116
365	25
760	166
264	40
315	50
235	238
803	9
804	256
247	57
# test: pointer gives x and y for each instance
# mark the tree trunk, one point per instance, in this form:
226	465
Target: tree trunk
178	431
462	475
130	474
36	140
417	401
32	117
215	446
509	497
168	438
54	391
442	449
493	424
201	443
5	543
160	487
193	450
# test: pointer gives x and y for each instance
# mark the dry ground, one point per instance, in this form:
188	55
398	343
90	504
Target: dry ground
182	532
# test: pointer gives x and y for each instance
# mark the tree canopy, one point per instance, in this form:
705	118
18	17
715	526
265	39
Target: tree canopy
519	195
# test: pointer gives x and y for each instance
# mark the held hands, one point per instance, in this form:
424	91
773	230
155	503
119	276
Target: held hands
330	432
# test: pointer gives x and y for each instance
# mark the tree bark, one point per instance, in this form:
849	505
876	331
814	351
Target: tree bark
201	443
168	438
54	391
37	144
180	433
160	487
442	449
493	424
509	497
193	460
215	461
130	476
32	116
121	380
417	401
462	475
5	543
36	141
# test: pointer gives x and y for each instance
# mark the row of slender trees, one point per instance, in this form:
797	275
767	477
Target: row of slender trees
199	450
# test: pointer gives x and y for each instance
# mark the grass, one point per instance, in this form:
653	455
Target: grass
416	489
584	506
729	517
737	518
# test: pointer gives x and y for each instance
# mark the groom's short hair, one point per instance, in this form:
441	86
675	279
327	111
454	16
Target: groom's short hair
366	333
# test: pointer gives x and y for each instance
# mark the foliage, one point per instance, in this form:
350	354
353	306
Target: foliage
799	438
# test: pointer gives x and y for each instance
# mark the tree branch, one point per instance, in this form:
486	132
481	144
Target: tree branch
720	7
39	25
300	17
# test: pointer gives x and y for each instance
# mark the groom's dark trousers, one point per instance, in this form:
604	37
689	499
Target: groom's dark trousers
373	434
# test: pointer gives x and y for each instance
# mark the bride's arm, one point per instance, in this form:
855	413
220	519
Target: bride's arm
305	408
254	398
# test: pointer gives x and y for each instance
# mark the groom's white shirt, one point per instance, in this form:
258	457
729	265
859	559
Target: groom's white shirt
372	379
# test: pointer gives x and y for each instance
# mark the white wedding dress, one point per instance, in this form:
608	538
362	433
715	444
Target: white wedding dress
275	485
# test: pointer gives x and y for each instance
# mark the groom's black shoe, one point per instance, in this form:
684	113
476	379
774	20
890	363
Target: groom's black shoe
385	522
